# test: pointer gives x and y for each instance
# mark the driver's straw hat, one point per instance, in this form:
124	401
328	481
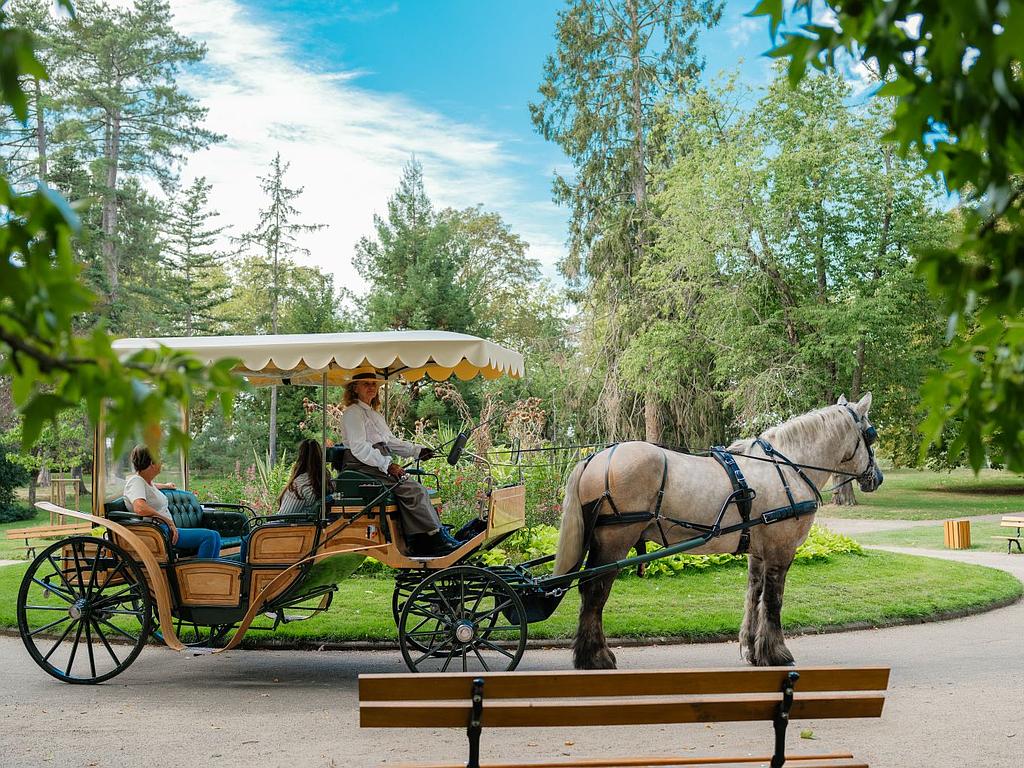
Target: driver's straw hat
366	373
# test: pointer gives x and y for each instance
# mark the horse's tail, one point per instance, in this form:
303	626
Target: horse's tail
571	530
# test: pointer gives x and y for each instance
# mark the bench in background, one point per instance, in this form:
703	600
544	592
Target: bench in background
625	697
46	532
1012	521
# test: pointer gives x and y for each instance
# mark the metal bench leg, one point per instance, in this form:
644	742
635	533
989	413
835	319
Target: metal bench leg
473	731
782	719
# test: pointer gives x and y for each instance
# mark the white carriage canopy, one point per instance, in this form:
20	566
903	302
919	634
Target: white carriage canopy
304	358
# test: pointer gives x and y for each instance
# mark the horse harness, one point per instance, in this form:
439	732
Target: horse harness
742	497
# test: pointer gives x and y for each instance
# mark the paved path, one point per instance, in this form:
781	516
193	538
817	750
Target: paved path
955	699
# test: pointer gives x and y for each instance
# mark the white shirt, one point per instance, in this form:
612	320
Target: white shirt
137	488
364	428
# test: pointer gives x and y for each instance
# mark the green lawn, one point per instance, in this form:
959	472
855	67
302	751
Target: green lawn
876	588
909	494
930	537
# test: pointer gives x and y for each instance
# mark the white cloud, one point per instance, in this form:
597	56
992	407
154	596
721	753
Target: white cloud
744	28
346	144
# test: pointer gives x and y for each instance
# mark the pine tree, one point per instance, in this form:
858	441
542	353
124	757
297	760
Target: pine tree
194	272
273	243
414	263
117	85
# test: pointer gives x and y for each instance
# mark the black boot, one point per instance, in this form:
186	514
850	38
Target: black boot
429	545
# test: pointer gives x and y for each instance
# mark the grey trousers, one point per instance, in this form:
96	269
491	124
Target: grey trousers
418	514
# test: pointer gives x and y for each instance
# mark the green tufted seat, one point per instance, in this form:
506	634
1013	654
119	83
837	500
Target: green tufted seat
353	488
187	512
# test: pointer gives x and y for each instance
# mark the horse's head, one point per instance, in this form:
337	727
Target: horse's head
859	458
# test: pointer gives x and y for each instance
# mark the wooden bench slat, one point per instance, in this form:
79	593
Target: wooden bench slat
512	713
47	530
536	685
839	760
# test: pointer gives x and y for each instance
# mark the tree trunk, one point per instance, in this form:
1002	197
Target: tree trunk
273	426
76	474
112	142
32	486
652	418
43	479
844	496
40	132
858	370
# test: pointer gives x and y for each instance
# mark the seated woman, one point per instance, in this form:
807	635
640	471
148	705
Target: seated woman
147	501
304	488
371	444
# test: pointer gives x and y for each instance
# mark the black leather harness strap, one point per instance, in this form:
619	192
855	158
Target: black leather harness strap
775	455
739	483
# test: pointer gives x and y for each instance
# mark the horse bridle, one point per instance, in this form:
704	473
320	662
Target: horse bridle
867	438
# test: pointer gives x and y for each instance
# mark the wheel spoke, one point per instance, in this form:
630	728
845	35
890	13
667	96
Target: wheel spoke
46	608
88	647
494	611
132	591
60	640
476	650
103	639
421	611
59	572
110	576
92	581
117	629
492	646
449	659
78	568
464	667
58	592
35	632
113	612
74	650
430	652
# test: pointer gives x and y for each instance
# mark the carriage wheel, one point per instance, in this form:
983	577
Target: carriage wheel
457	619
194	635
84	610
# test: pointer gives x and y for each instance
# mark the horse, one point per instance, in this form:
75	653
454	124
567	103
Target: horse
786	466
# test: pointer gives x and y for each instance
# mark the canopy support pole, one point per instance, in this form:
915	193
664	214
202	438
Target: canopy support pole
323	446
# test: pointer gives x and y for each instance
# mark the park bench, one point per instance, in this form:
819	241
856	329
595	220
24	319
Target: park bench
46	532
625	697
1016	522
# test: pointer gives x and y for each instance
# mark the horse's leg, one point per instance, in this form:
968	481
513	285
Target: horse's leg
641	549
590	648
748	629
769	643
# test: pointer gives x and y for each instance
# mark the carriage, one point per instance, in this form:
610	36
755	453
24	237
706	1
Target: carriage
89	604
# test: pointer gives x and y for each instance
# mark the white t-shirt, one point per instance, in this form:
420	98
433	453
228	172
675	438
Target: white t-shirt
364	428
137	488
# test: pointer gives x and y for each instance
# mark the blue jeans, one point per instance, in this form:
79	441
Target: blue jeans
205	540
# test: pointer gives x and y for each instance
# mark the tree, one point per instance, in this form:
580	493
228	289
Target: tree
784	262
955	73
194	272
24	144
51	369
618	63
415	264
125	109
274	241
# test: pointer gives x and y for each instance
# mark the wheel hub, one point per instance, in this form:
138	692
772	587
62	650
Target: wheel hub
464	631
79	608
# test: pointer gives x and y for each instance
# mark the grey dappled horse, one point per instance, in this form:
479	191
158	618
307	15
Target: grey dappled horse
695	487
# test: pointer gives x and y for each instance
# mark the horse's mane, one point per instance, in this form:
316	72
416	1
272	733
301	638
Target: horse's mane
799	429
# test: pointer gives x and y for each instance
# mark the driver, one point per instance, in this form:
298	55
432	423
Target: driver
371	444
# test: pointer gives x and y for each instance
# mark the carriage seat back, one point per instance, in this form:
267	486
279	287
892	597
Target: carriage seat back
187	512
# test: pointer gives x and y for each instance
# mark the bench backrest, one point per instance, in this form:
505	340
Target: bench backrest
41	531
618	697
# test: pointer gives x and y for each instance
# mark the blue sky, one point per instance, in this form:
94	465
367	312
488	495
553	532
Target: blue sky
349	90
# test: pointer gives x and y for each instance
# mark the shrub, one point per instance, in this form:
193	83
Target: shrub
16	512
12	475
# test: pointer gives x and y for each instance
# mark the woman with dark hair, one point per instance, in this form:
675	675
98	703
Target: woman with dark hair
304	487
146	501
371	444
